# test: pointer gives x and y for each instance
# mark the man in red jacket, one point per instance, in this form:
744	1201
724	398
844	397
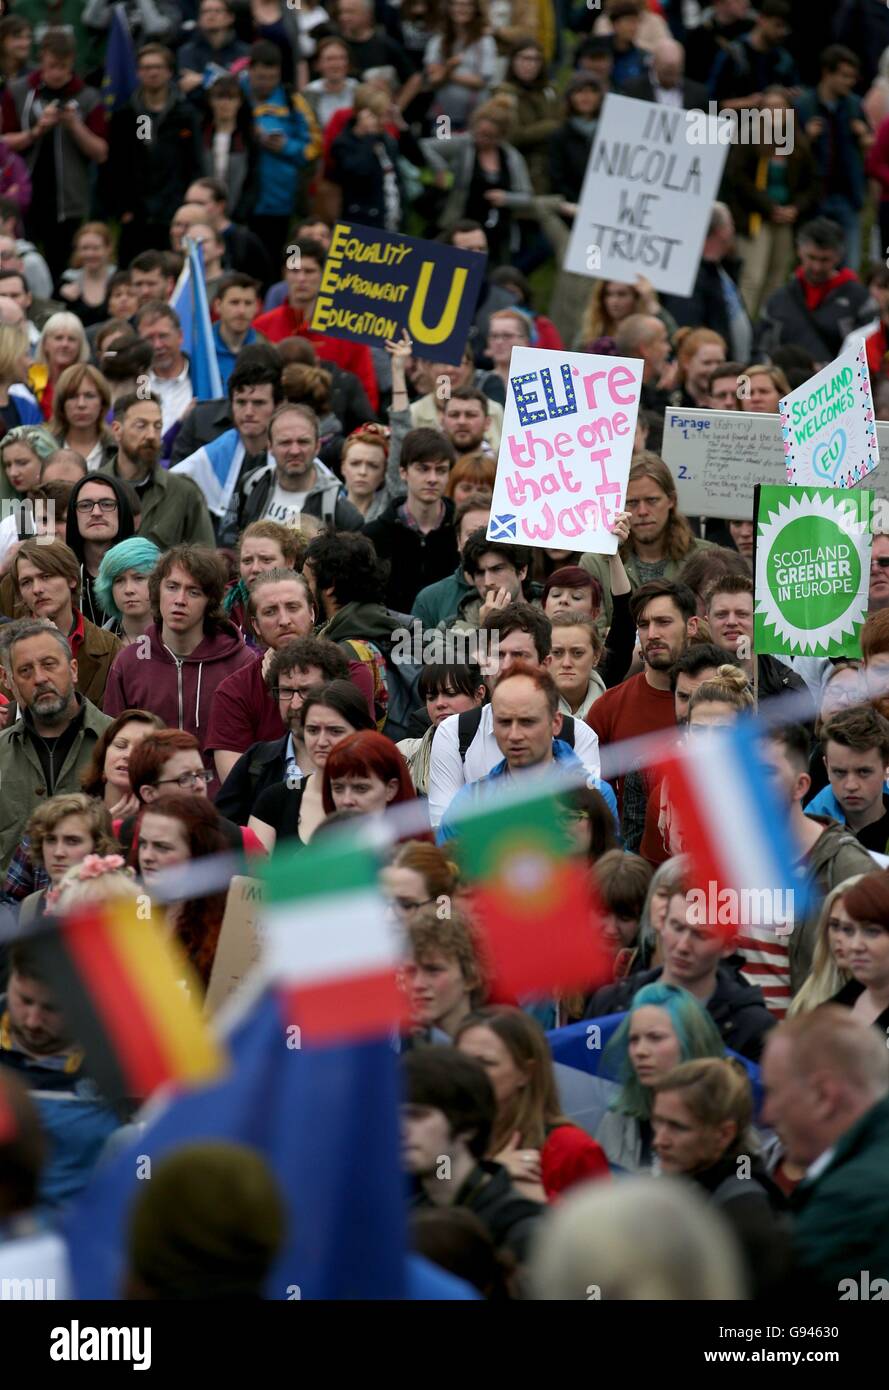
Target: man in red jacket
293	318
175	668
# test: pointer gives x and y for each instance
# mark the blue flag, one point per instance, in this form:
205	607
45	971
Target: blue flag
120	79
326	1121
189	299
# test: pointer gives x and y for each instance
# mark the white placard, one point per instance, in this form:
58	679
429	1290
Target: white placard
565	451
718	456
647	197
828	424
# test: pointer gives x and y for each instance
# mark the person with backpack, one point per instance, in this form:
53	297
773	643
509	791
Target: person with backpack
347	580
464	748
294	481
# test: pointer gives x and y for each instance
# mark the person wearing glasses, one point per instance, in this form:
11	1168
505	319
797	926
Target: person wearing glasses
100	514
878	593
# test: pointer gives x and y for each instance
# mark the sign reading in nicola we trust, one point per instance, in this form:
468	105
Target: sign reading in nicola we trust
565	450
376	283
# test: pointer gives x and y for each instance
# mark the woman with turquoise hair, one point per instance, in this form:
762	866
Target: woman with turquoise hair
664	1026
121	587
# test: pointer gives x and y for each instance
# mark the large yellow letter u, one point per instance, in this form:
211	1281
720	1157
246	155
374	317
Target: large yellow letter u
445	326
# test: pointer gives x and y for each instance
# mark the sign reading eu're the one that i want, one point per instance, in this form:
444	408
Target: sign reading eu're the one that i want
376	283
565	450
812	570
828	424
647	195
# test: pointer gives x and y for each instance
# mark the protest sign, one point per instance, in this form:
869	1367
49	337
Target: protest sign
647	195
828	425
239	944
566	447
812	570
718	456
376	283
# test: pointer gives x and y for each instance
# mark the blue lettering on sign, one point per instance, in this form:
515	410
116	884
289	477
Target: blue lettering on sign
531	408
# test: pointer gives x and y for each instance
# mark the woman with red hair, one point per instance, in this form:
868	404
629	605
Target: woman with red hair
365	772
175	829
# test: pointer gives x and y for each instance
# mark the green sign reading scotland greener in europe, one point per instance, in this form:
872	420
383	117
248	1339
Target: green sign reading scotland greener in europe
812	570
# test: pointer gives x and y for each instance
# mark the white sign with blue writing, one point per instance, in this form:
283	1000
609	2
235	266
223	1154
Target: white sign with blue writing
565	450
828	425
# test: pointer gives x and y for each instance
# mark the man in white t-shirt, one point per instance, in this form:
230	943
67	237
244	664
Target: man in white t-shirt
295	480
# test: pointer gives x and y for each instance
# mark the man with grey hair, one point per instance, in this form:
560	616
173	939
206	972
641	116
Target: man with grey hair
715	301
665	82
48	747
826	1079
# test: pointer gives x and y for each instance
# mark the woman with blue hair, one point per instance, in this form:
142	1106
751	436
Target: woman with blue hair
121	586
664	1026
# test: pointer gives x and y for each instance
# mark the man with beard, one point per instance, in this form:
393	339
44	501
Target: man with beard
173	510
51	744
665	614
466	420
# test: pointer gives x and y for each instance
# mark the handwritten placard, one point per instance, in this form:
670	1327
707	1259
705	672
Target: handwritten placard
566	447
828	425
239	946
718	456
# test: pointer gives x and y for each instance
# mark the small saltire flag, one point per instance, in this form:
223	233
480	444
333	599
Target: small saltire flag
533	902
331	943
741	850
130	999
216	468
120	79
206	382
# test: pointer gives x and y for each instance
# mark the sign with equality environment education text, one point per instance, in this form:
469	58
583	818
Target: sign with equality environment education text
565	450
376	283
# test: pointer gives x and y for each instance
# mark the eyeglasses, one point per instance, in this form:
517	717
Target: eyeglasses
283	692
105	504
188	779
881	560
409	904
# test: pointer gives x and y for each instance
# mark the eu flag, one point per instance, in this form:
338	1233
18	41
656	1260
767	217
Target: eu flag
120	80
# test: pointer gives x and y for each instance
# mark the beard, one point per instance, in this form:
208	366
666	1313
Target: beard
145	456
49	708
660	660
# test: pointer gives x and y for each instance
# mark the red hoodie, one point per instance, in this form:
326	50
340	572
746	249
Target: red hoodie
179	691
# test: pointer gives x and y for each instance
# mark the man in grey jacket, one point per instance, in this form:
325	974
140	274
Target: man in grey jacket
295	482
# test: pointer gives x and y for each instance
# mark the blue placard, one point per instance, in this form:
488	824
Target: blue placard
375	283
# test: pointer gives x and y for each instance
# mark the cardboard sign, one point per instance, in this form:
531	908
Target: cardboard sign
718	456
566	448
828	424
376	283
238	949
812	570
647	195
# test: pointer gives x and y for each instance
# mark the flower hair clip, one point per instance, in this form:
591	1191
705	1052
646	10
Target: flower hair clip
95	865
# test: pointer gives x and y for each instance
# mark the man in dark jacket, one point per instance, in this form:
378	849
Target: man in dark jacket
827	1095
415	534
213	44
695	959
840	136
665	77
715	301
93	526
447	1118
147	178
820	305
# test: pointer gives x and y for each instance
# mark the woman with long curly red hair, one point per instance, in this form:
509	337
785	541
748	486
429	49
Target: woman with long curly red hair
174	830
365	772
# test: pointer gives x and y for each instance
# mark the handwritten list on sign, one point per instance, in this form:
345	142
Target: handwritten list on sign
718	456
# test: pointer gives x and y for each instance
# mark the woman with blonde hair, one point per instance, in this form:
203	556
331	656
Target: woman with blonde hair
612	301
761	387
85	285
543	1152
264	545
81	402
718	702
698	352
18	406
61	344
97	879
829	971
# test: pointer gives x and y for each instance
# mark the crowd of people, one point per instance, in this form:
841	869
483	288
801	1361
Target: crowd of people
205	605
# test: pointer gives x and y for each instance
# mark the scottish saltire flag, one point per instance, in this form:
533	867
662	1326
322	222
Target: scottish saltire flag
189	299
326	1121
503	528
585	1072
742	853
331	943
216	468
120	79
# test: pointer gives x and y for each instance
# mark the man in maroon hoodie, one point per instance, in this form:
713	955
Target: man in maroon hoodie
176	667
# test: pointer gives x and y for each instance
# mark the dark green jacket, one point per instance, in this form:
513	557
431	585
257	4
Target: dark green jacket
173	510
841	1217
439	602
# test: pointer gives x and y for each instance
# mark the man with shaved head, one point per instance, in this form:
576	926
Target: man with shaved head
665	82
826	1078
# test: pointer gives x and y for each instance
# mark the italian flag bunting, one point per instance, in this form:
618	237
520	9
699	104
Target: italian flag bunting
331	942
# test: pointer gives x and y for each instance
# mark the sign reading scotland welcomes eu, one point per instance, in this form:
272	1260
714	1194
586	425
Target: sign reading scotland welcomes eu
828	424
376	283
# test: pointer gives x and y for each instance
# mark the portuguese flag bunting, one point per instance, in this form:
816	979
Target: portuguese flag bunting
533	901
331	943
129	998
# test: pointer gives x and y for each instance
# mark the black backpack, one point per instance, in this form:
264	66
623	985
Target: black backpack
468	725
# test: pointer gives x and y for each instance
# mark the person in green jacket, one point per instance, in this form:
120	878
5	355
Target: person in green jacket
439	603
826	1082
661	539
